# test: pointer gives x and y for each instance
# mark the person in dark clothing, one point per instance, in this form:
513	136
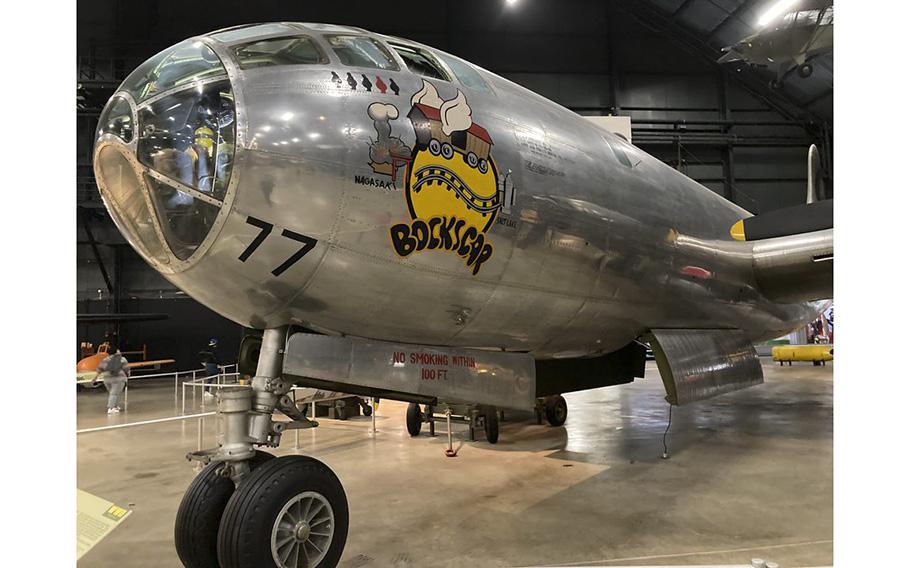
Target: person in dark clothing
209	359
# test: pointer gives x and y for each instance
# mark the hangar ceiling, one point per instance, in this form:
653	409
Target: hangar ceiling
720	23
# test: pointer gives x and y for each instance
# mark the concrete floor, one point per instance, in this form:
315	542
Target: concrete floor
750	475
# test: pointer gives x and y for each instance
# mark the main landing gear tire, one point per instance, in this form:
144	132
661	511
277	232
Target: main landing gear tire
557	410
414	419
200	511
290	512
491	425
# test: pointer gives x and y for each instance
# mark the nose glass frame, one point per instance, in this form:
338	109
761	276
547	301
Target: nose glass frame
175	258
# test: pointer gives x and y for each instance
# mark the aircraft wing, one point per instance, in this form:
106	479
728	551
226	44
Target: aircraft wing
796	268
87	377
792	251
150	363
730	56
793	247
114	318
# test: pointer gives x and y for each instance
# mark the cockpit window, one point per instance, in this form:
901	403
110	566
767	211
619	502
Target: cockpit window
420	62
279	51
117	120
123	188
361	51
249	32
467	75
184	63
188	136
185	220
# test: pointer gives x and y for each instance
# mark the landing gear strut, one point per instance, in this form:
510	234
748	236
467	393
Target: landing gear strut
476	417
300	516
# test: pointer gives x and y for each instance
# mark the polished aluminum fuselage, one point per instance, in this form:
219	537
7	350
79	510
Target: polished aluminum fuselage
592	253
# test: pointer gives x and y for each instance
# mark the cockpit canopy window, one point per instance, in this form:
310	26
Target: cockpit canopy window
184	63
331	28
117	120
420	62
185	220
250	32
123	188
467	75
188	136
361	51
279	51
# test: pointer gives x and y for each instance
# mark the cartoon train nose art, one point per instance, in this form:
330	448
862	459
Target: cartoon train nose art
451	182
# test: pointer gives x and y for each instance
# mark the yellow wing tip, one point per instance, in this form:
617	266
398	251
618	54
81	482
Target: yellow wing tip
738	231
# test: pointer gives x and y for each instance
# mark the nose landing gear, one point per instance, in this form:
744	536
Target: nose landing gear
290	512
200	511
248	509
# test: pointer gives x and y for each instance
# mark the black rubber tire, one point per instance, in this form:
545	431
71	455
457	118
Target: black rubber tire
414	419
557	410
246	526
367	409
199	514
804	70
491	425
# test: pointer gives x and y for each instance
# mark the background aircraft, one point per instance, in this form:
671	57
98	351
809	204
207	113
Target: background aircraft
87	367
404	224
789	43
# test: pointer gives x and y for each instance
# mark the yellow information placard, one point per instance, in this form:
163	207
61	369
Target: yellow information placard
95	519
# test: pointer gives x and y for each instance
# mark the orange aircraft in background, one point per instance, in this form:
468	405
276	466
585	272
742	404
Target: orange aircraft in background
87	367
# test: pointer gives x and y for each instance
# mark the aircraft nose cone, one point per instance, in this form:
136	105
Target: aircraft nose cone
164	153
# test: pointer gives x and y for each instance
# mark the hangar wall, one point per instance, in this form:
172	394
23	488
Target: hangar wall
173	338
593	56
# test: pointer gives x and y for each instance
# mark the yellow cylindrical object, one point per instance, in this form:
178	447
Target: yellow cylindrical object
802	352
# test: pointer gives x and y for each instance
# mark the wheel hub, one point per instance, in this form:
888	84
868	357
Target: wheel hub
302	531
